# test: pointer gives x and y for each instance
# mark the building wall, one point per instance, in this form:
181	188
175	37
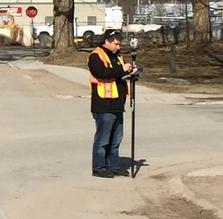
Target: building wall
23	20
43	1
82	11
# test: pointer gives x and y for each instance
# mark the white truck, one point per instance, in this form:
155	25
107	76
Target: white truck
113	20
44	33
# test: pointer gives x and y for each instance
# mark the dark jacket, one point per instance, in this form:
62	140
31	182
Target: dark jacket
99	71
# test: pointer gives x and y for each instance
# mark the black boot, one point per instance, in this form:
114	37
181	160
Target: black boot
103	173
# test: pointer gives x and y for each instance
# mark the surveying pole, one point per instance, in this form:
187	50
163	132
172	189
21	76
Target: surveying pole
133	78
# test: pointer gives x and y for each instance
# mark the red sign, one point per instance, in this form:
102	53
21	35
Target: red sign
31	11
15	11
3	10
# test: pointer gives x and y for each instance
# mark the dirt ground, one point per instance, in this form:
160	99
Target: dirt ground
196	70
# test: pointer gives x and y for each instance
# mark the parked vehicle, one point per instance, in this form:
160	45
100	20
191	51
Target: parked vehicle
113	20
44	33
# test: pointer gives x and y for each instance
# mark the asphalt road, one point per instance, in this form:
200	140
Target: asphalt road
12	53
9	53
45	151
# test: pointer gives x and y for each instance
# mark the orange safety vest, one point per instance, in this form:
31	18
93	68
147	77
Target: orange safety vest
105	88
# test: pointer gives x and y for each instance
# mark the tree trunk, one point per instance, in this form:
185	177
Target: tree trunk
63	38
187	26
201	21
172	59
128	7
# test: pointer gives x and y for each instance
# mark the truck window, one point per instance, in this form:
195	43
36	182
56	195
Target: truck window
91	20
48	20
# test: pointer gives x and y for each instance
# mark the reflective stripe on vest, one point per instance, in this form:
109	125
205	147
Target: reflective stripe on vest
105	88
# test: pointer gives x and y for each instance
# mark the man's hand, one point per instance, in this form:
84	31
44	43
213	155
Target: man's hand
127	67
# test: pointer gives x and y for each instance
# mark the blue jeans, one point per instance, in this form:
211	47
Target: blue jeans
108	136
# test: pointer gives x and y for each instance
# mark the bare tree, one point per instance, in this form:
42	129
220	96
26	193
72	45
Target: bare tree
63	38
201	21
128	7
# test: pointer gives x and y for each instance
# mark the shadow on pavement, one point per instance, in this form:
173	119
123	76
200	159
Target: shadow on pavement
125	163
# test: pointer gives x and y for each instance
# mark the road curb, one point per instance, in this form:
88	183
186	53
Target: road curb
206	172
178	188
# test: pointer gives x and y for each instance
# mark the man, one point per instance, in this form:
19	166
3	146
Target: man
108	95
